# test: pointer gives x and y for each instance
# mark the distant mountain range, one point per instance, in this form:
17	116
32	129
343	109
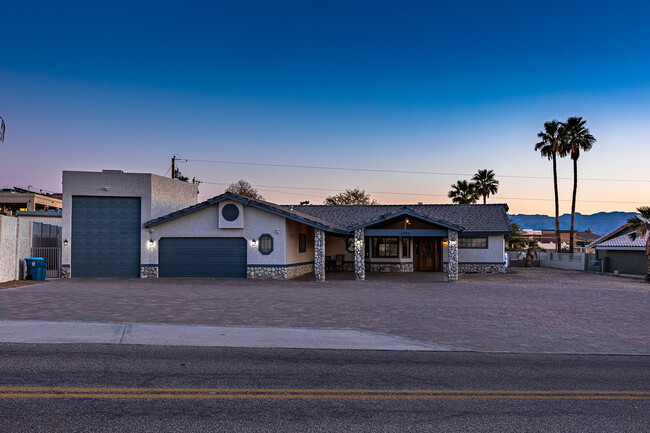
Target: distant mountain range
600	223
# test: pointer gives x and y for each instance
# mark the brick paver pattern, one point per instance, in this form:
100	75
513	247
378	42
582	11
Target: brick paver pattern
533	310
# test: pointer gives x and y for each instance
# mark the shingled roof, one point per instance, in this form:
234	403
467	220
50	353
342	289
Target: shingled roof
468	219
619	238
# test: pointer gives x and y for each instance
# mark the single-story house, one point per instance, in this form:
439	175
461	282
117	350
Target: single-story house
234	236
620	253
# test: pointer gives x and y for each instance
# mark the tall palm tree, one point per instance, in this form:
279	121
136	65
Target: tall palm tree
463	192
550	148
575	138
641	227
2	129
485	183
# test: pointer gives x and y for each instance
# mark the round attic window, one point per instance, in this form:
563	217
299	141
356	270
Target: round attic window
230	212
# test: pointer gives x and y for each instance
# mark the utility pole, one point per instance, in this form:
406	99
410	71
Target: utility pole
174	167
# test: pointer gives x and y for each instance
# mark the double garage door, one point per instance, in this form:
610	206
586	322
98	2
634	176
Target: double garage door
202	257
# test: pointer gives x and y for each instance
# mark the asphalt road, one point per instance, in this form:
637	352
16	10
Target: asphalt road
79	388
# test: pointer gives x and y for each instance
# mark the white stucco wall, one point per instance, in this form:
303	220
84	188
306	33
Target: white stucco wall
169	195
15	245
293	230
158	196
494	253
204	223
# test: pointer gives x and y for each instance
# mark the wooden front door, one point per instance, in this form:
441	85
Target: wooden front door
427	254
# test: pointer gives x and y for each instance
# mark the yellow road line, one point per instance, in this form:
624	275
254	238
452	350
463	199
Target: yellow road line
312	391
17	395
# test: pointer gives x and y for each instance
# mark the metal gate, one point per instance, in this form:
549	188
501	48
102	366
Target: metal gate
53	257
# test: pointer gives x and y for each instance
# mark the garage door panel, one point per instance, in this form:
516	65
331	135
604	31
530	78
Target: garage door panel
105	236
202	257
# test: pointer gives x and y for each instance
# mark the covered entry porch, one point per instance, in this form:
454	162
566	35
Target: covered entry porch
403	243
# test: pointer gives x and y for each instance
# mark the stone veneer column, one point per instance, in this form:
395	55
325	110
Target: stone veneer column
319	255
359	255
453	255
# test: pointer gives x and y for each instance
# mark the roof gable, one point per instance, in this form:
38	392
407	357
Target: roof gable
259	204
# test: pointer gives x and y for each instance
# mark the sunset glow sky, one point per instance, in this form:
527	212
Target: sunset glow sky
447	87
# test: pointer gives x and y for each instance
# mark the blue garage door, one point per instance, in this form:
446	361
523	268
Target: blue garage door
105	237
202	257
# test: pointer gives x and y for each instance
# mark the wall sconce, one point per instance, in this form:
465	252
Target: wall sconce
107	188
277	230
253	243
408	221
358	243
445	242
151	243
453	243
65	243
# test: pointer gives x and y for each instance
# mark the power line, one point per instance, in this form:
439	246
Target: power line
378	170
414	193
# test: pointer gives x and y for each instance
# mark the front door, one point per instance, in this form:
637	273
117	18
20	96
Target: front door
427	254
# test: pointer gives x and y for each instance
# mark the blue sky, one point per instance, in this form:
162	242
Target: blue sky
421	86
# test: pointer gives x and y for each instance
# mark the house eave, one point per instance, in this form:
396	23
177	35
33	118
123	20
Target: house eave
388	217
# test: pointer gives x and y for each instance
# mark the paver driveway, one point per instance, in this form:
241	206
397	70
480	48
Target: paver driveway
534	310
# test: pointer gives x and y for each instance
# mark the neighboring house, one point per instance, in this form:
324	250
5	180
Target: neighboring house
619	253
15	199
234	236
50	217
546	238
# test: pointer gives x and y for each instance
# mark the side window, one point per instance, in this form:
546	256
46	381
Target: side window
266	244
302	243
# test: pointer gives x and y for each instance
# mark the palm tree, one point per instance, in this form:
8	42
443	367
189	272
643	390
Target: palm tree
641	226
550	148
532	252
485	183
2	129
575	137
463	192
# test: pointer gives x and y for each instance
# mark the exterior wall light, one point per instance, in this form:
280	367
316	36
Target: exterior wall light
65	243
453	243
151	243
358	243
253	243
445	242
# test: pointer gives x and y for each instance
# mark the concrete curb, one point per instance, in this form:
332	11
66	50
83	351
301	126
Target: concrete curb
27	331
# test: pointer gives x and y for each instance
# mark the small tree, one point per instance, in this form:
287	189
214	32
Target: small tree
516	240
244	188
463	192
532	252
641	226
2	129
350	196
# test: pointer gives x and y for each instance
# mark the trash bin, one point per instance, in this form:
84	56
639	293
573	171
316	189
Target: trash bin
36	268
